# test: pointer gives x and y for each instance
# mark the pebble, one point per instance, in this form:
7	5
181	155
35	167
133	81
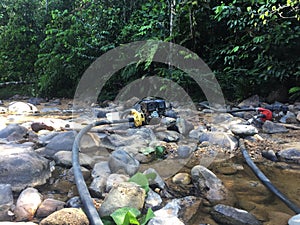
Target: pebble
72	216
27	204
182	178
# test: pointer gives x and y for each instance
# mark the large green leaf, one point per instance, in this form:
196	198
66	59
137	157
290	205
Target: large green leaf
126	216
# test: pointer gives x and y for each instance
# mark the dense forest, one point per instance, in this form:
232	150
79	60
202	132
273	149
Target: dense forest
252	46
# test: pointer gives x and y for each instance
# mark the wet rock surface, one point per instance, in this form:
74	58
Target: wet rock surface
195	171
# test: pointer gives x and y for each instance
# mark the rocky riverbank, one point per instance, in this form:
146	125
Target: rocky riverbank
199	174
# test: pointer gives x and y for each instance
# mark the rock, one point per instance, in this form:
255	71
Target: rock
195	134
36	127
122	195
290	155
168	136
72	216
74	202
182	178
232	216
21	167
101	169
157	181
17	223
298	116
115	179
221	118
288	118
228	170
243	130
21	108
13	130
98	187
269	154
89	140
208	184
64	158
3	110
85	173
36	100
53	102
184	126
49	206
60	142
6	201
122	160
172	220
50	110
184	151
153	200
224	140
272	128
27	204
251	101
295	220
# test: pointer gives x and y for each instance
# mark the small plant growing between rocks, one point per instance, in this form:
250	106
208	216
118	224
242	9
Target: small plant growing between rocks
295	93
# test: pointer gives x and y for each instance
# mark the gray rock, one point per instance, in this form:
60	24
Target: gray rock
13	130
36	100
184	151
72	216
22	167
61	142
153	199
27	204
50	110
163	220
85	173
98	187
49	206
295	220
182	178
251	101
89	140
195	134
115	179
122	160
6	201
168	136
101	169
269	154
221	118
184	126
272	128
290	155
157	181
298	116
208	184
243	130
224	140
232	216
288	118
64	158
143	133
21	108
134	197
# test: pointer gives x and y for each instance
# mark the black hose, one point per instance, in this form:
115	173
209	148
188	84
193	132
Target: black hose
265	180
83	191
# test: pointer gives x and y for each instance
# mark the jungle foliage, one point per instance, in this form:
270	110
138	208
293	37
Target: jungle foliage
252	46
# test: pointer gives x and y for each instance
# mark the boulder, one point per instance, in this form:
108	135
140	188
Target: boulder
208	184
27	204
124	194
242	130
232	216
21	108
13	132
64	158
273	128
72	216
60	142
21	167
6	201
223	140
289	155
122	160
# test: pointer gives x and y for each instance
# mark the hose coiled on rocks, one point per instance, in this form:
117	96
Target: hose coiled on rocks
265	180
83	191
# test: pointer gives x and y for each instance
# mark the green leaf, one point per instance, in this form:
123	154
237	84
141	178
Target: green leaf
235	49
141	180
160	150
294	90
147	150
149	215
126	216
